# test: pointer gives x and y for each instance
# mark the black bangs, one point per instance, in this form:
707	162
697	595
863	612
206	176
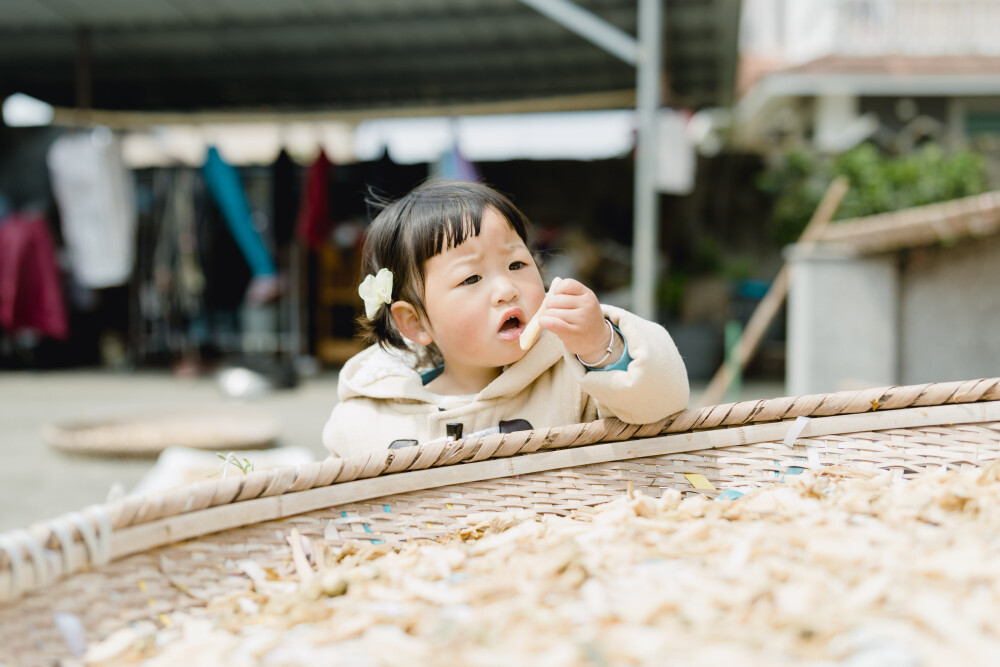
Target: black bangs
452	231
443	215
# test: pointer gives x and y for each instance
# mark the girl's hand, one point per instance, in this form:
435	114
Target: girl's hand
573	313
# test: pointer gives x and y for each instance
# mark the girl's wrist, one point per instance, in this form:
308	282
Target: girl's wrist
609	354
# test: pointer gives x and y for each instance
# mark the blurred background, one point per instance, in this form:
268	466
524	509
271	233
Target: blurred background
183	189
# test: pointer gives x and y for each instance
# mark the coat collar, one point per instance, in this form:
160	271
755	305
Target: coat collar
375	373
543	355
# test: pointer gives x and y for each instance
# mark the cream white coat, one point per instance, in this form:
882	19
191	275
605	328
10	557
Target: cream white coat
382	396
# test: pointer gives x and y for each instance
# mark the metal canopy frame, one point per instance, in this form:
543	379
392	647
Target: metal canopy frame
644	53
641	52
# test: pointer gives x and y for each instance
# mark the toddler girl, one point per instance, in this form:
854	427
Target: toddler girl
451	286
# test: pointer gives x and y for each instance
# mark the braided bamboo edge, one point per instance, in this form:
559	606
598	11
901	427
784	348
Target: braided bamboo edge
162	511
259	484
183	576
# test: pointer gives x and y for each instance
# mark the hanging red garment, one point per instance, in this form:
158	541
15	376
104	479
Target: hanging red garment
30	292
314	223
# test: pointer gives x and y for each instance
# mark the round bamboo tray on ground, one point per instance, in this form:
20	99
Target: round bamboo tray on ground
147	557
141	436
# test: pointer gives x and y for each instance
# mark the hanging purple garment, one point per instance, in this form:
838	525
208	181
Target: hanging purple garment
30	291
453	166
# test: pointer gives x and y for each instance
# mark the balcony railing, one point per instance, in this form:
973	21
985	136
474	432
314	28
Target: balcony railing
794	30
917	27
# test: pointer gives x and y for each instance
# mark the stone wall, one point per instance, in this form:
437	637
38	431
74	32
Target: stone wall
950	312
921	315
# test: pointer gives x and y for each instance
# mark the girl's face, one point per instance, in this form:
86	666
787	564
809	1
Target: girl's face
479	296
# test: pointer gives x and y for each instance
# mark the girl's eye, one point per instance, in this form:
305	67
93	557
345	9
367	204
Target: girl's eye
514	266
471	280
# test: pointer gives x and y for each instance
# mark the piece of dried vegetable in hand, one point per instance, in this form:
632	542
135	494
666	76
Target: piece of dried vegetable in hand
532	329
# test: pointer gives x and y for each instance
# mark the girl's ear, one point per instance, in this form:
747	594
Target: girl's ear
409	323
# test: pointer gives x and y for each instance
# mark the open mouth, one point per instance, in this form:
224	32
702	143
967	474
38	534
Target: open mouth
511	328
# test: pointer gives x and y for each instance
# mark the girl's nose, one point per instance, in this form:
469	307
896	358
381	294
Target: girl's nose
504	290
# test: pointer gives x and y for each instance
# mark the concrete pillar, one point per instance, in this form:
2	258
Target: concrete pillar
842	321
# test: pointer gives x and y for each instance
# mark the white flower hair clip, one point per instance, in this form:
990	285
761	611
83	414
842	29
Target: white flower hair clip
376	290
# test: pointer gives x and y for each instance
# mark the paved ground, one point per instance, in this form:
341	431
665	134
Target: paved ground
38	482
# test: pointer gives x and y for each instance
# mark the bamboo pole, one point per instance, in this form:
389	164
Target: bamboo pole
769	306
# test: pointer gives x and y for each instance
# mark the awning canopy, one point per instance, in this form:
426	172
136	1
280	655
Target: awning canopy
363	56
370	58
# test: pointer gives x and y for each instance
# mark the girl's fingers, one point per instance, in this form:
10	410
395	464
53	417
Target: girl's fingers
577	336
570	286
574	314
572	301
565	321
556	325
560	308
567	313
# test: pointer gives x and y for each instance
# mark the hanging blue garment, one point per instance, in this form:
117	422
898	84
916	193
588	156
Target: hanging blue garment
224	183
5	206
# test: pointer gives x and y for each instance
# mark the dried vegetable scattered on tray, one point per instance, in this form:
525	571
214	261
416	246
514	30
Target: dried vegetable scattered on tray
836	567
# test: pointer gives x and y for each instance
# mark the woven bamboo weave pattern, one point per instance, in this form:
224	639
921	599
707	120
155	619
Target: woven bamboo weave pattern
147	436
903	452
87	539
263	484
147	585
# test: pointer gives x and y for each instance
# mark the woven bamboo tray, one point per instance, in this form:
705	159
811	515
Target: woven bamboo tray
143	436
144	558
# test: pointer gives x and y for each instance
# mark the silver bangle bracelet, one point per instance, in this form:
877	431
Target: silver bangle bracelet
607	352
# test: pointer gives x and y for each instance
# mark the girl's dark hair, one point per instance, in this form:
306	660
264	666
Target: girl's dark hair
433	217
